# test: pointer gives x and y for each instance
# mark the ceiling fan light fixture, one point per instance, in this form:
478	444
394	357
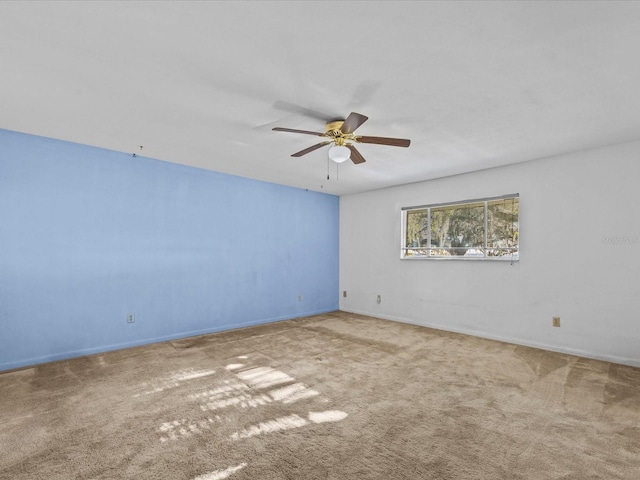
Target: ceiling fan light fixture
339	153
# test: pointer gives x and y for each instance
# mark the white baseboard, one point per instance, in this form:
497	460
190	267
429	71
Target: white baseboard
633	362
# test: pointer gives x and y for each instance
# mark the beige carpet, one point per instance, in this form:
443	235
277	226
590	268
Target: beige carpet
335	396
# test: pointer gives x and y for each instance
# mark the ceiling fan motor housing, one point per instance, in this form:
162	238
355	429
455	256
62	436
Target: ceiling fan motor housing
333	130
333	126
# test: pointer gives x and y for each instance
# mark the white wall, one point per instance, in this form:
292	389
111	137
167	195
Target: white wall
569	206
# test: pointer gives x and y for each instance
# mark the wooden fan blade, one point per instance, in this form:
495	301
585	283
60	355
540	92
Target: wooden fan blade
393	142
353	121
355	155
310	149
292	130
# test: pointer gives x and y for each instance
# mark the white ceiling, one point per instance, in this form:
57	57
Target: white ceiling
473	85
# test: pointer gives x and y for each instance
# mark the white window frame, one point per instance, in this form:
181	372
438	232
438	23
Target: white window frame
404	249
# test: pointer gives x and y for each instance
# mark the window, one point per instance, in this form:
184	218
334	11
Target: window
485	228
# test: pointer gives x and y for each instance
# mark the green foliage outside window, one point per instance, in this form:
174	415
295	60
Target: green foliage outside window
484	228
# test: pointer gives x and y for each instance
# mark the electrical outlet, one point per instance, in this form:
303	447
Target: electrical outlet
378	299
299	298
131	318
344	293
556	321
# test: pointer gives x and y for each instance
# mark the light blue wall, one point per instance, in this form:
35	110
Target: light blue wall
89	235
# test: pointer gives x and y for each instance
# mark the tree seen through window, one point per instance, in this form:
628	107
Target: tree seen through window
483	228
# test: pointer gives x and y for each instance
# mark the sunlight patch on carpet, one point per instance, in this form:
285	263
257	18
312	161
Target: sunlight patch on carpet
190	375
328	416
234	366
228	388
182	429
264	377
221	474
245	390
270	426
292	393
174	380
242	401
289	422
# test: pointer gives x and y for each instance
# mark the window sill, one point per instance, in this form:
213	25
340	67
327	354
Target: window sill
465	259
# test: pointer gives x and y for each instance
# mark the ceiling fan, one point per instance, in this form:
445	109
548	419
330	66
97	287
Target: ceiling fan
340	134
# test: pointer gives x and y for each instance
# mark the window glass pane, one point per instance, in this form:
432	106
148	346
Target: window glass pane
483	228
502	227
457	229
417	231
